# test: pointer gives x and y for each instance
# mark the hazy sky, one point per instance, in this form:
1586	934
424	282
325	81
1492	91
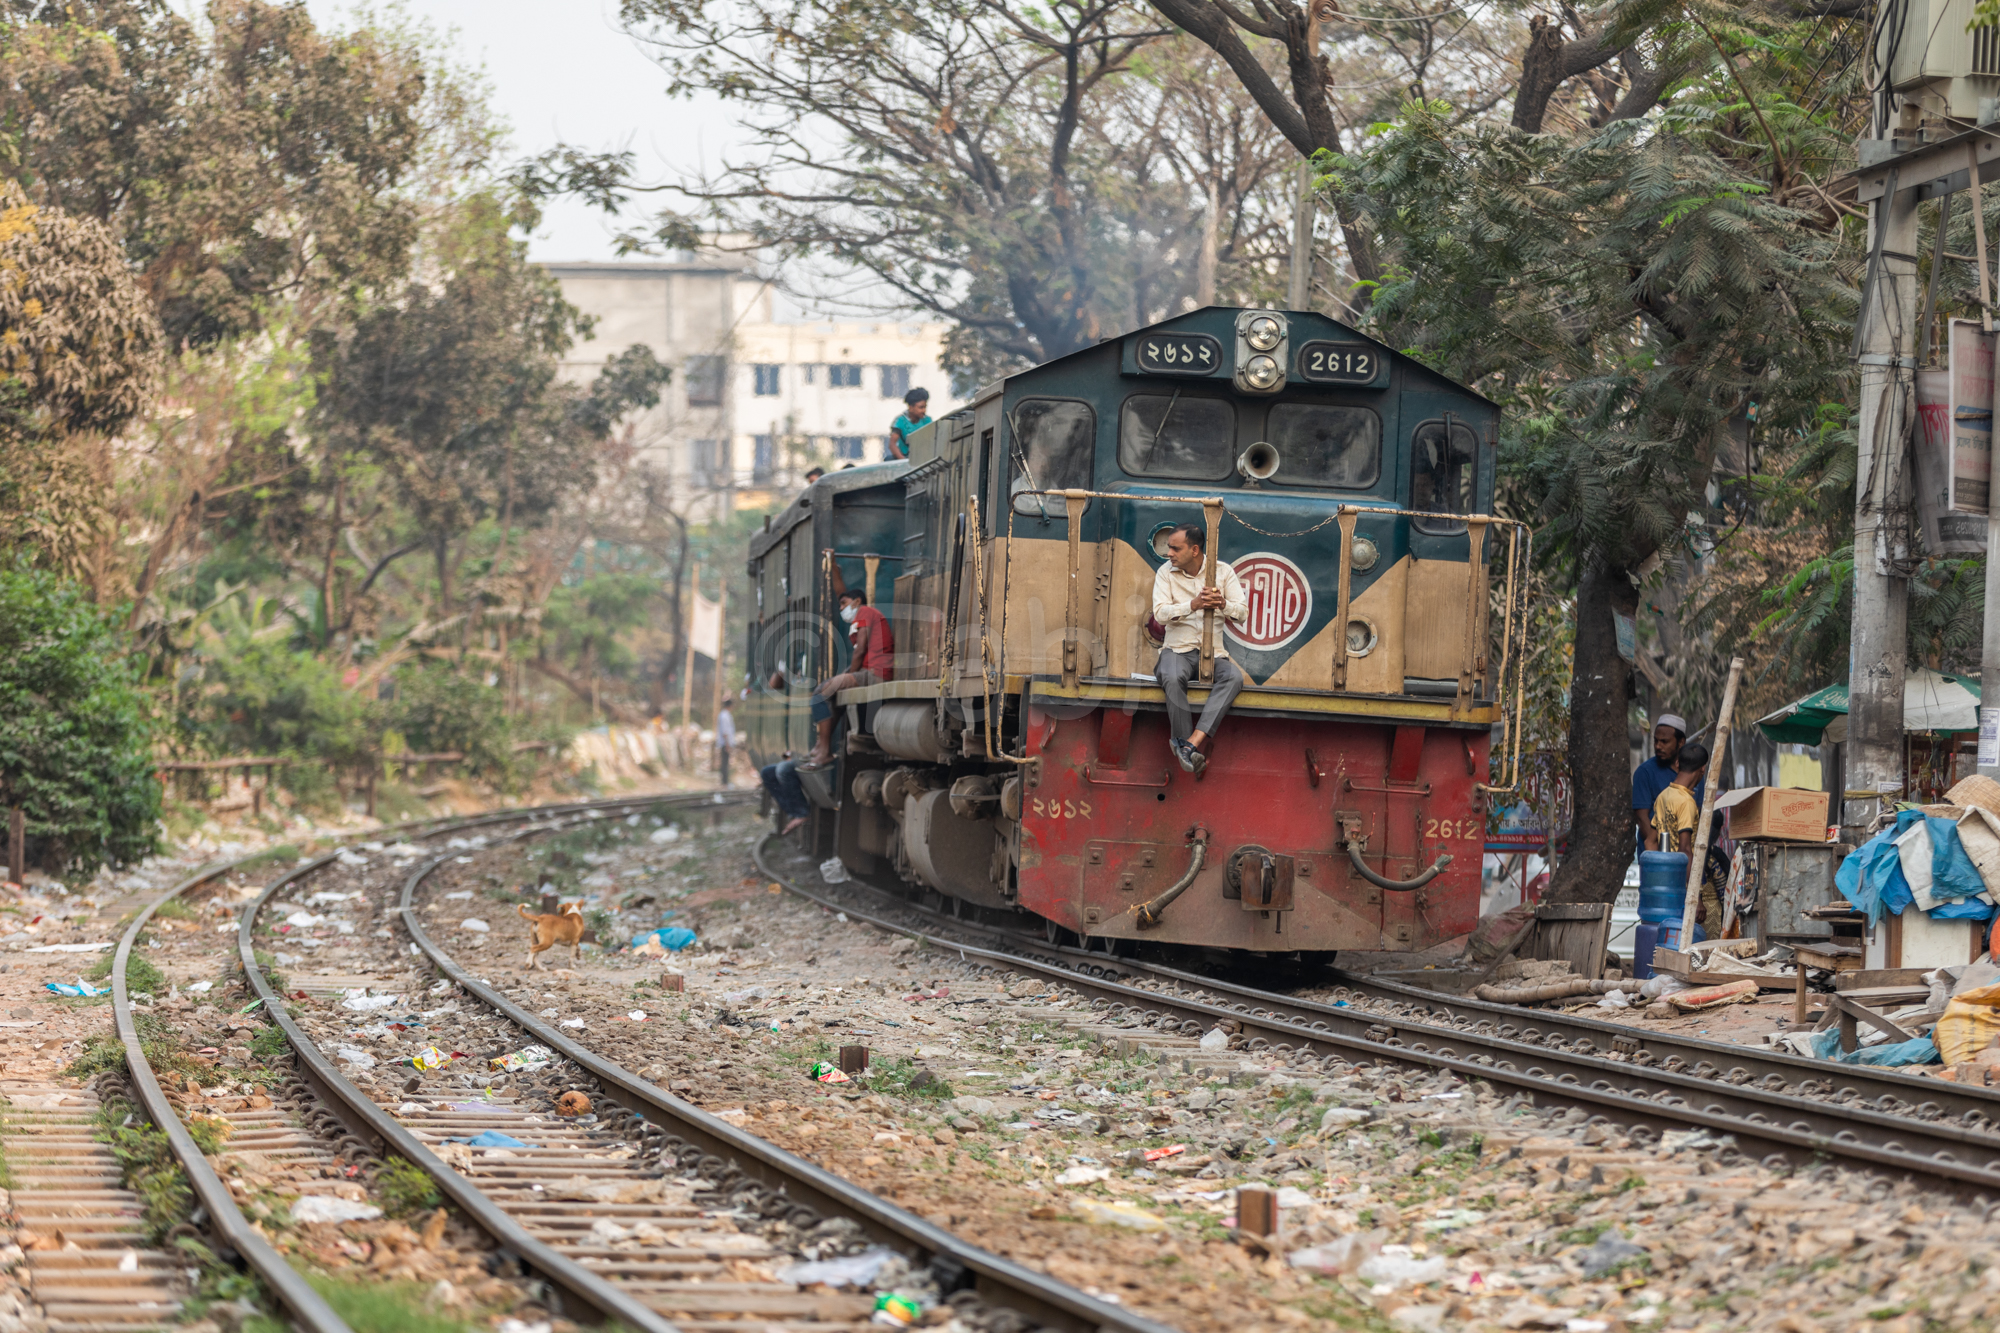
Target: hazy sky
562	73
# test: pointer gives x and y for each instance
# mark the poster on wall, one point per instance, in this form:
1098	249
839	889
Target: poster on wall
1954	453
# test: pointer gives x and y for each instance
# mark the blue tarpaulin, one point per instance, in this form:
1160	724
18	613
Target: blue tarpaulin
1919	1051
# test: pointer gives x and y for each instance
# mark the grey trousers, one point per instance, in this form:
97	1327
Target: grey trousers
1176	670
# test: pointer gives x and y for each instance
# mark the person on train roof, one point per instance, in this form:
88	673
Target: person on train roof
1181	601
916	415
871	657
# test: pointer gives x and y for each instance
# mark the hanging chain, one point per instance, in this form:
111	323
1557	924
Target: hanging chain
1230	513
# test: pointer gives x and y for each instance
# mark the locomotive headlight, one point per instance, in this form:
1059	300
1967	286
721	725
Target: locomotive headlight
1263	333
1261	372
1360	638
1364	555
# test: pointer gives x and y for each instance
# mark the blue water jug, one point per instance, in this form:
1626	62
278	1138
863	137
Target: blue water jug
1663	878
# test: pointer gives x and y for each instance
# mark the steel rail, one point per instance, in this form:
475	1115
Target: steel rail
370	1122
1780	1127
953	1261
306	1306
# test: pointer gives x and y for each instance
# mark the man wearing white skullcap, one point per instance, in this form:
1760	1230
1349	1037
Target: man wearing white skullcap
1655	775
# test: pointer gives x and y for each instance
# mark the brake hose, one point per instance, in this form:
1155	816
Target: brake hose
1396	885
1148	914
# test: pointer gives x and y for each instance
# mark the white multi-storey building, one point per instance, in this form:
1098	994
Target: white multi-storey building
753	403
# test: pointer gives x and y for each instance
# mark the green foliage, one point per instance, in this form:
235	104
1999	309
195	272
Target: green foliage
269	1044
141	977
157	1040
901	1077
208	1132
405	1189
75	737
439	710
147	1166
386	1307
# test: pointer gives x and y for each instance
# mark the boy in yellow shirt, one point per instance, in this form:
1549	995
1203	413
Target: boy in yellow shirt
1675	815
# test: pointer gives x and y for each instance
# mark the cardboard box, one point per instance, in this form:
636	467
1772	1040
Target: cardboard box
1782	813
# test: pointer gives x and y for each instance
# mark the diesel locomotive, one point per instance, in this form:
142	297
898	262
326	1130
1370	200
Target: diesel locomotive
1019	762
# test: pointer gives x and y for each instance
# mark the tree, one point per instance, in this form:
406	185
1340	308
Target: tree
1630	293
75	750
244	160
1024	171
79	352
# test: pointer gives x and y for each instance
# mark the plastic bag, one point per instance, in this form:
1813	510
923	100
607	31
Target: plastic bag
1394	1265
823	1072
832	871
326	1208
1339	1256
79	988
1614	1000
854	1270
1662	984
1120	1215
1970	1023
670	938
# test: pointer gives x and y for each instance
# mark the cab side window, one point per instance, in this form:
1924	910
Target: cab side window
1444	471
1053	442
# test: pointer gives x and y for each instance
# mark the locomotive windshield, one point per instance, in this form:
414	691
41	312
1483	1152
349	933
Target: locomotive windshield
1175	435
1321	444
1053	442
1442	473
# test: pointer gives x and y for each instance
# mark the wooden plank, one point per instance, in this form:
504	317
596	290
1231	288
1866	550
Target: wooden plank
1863	978
1577	932
1852	1013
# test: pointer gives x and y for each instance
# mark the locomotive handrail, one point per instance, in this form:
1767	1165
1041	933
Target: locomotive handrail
1347	515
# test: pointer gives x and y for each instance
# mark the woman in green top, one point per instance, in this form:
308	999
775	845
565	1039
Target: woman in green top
916	415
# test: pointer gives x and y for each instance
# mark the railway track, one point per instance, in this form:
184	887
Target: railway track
611	1214
1780	1109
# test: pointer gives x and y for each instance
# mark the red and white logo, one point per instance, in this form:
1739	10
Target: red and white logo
1280	600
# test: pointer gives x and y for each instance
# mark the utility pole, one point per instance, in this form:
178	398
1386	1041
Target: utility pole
1888	347
687	667
1299	293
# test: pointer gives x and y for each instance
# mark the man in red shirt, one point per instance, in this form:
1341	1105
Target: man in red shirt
872	647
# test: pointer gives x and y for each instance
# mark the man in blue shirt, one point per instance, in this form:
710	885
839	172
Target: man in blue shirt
916	415
1657	774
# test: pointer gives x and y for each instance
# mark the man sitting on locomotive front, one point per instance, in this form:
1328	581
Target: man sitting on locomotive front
1180	603
871	656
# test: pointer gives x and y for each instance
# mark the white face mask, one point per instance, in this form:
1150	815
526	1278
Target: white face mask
847	613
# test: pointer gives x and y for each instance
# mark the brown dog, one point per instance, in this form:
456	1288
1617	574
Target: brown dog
553	928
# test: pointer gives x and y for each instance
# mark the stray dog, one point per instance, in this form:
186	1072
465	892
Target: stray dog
560	927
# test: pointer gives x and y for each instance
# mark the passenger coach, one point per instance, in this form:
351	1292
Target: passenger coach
1019	760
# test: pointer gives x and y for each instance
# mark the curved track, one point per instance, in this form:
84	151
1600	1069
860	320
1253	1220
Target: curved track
645	1157
1780	1108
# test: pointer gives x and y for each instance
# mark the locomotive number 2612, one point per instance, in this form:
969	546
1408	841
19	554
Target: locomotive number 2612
1338	363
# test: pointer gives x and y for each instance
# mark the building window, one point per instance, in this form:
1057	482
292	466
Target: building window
704	463
843	376
895	381
704	380
849	446
764	457
766	381
811	371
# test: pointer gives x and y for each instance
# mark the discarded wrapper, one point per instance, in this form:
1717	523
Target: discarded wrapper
1171	1150
526	1060
430	1057
79	988
897	1311
829	1073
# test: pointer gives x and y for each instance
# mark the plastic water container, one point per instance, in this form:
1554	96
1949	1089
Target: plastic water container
1662	901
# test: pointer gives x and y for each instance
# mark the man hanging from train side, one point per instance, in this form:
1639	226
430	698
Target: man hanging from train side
871	656
1181	600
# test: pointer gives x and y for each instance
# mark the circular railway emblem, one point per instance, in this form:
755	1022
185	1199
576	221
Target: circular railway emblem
1280	600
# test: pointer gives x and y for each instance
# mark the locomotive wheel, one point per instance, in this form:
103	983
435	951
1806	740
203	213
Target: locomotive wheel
1057	936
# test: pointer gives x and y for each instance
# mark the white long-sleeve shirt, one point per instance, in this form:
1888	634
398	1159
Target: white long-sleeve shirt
1173	606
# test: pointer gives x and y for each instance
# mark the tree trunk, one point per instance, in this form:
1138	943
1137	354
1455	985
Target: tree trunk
1600	838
